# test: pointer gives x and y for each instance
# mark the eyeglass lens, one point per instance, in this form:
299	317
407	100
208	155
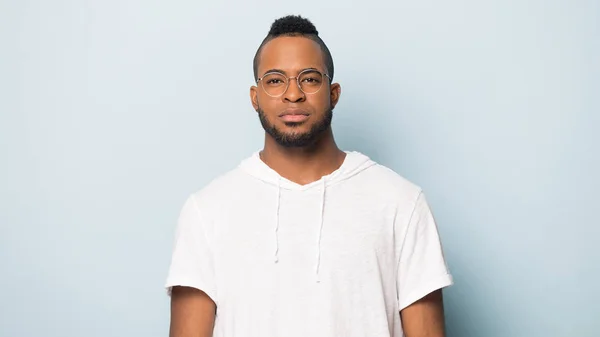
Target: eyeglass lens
275	84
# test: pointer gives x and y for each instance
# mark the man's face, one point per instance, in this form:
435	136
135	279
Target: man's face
295	118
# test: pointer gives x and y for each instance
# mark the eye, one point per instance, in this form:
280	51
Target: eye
311	80
274	79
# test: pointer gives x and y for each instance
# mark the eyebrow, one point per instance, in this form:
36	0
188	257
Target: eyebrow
283	71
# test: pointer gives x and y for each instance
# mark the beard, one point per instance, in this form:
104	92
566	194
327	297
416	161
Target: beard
296	139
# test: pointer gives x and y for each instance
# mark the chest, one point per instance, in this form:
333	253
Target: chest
340	231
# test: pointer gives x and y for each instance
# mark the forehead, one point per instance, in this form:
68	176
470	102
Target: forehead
291	54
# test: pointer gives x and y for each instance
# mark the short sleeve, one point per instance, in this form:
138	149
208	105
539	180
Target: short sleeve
192	259
422	268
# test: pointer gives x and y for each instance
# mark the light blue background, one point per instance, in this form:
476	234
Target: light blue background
112	112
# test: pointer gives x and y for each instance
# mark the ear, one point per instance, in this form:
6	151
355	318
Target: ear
254	97
334	94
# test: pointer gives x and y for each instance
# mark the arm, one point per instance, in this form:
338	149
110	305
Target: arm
192	313
425	317
422	274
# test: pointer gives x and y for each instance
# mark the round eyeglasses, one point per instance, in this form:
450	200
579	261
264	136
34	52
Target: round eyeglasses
276	84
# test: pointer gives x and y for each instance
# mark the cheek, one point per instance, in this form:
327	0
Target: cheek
320	101
266	103
271	107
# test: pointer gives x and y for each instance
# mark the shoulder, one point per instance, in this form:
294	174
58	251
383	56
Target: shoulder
390	184
219	188
408	199
390	181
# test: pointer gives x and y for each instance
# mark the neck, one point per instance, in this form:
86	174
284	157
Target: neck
303	165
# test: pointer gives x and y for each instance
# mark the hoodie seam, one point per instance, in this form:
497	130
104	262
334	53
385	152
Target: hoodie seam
405	234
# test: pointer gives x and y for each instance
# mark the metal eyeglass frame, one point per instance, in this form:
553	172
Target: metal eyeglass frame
288	79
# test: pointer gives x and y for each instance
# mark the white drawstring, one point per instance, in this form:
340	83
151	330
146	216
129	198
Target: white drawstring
321	214
320	231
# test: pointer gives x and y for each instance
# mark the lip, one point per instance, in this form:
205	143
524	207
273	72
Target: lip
294	115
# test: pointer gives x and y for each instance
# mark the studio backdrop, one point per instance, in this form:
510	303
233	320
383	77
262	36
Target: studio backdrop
112	112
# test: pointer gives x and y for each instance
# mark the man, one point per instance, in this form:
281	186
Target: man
304	239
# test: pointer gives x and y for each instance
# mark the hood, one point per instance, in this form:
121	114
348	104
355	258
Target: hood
353	164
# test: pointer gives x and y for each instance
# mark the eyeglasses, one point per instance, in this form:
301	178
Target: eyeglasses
276	84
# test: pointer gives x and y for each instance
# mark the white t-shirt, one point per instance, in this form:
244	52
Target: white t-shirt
338	257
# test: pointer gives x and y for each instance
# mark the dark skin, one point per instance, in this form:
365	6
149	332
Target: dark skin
425	317
305	164
192	311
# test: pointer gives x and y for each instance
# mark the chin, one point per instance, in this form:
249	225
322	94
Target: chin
294	133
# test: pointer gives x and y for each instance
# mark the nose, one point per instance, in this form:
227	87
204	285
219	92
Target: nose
293	94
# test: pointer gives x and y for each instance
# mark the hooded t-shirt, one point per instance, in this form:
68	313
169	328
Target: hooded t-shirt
341	256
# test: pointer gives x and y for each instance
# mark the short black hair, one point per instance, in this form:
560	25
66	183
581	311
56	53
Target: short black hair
295	25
